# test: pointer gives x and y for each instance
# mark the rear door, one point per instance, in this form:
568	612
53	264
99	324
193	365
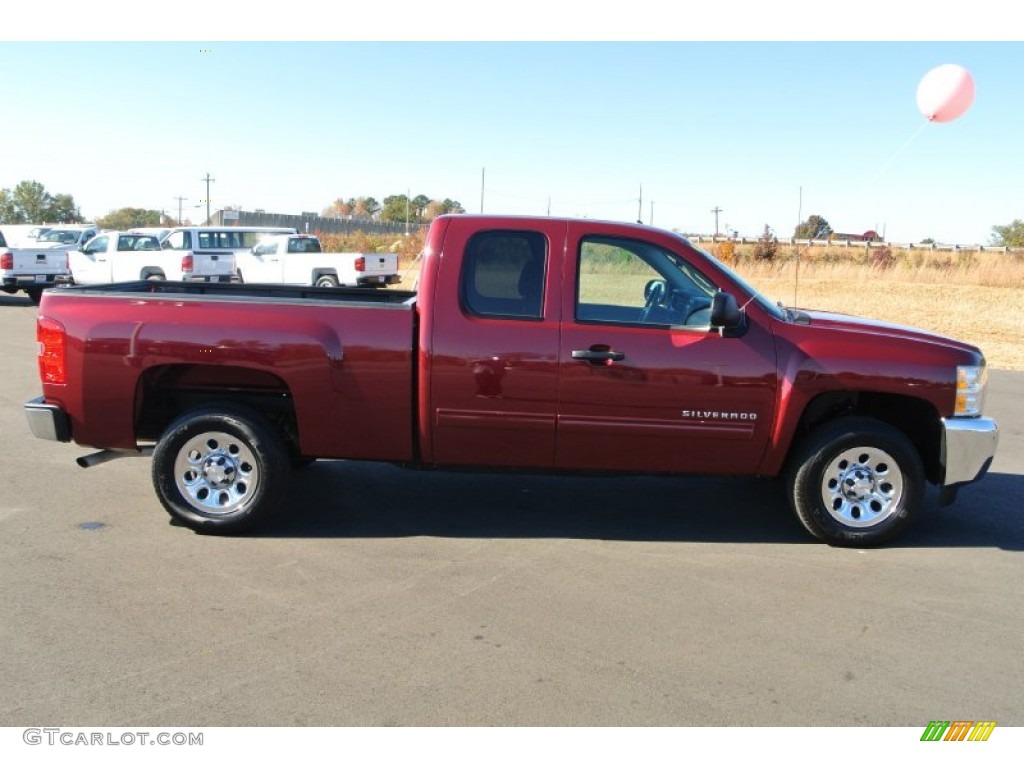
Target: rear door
645	384
494	352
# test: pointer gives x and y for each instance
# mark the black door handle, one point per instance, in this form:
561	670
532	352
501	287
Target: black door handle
598	354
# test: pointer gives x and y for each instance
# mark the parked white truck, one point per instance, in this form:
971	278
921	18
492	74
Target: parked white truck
113	257
300	260
213	251
31	268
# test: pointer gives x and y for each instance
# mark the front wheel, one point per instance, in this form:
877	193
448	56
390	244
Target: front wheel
856	482
220	469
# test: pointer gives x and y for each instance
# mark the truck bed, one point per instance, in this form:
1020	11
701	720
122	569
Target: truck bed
245	291
342	359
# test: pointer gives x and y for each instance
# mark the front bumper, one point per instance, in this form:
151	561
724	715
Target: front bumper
47	421
968	446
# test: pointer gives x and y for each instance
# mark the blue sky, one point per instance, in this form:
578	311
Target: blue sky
768	131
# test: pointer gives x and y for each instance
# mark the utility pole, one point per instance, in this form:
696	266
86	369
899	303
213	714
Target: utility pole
207	179
652	213
640	207
716	210
180	199
482	172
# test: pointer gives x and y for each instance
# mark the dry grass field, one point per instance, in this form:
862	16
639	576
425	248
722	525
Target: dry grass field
978	298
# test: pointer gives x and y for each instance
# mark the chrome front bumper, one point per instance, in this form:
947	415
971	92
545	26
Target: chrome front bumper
968	446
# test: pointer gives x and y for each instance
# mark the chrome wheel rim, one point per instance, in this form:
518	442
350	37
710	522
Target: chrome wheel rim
216	473
862	487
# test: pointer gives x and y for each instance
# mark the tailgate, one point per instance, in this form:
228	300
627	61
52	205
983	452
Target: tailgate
41	261
213	263
380	264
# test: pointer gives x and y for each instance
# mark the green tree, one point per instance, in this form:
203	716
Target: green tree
30	203
129	218
419	205
397	208
364	207
64	211
816	227
1010	235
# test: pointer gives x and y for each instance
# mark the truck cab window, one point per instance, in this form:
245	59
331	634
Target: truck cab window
178	241
503	275
630	282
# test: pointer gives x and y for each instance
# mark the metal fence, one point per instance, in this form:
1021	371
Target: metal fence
309	222
865	244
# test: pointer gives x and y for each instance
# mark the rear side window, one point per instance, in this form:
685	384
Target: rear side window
178	241
503	274
3	243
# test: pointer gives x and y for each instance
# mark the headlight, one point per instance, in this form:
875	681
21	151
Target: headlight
970	389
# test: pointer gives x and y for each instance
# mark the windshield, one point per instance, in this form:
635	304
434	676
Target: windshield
775	310
65	236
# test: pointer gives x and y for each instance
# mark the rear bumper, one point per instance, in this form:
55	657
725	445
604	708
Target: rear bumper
968	447
20	282
47	421
210	279
372	280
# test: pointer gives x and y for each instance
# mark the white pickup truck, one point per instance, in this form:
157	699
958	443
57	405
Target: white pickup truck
212	251
187	254
43	264
300	260
113	257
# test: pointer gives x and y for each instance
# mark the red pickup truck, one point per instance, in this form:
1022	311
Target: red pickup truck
534	344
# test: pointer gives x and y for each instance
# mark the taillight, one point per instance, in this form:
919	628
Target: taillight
52	348
7	260
186	263
360	263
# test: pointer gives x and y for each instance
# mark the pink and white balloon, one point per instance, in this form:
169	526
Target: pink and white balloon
945	93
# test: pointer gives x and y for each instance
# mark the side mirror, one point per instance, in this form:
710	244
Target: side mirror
725	312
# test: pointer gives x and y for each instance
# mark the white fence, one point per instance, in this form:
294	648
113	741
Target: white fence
866	244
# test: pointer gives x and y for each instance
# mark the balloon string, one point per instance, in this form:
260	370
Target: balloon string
899	151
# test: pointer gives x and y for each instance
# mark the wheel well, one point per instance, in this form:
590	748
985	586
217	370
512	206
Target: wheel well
149	272
325	272
917	419
165	392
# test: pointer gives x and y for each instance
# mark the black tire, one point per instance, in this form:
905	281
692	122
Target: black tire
326	281
220	469
856	482
35	295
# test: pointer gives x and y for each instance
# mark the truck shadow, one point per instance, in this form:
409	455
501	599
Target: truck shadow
15	300
367	500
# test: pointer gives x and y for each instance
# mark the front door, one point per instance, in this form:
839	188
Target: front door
646	384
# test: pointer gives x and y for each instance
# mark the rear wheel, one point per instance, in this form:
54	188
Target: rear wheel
35	295
220	469
856	482
326	281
